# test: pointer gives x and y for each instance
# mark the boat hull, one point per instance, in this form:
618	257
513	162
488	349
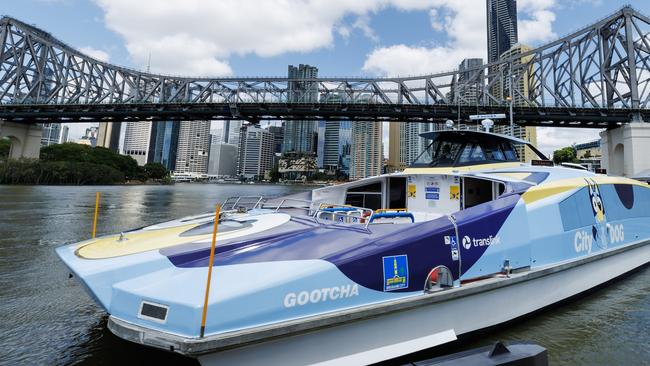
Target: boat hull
383	331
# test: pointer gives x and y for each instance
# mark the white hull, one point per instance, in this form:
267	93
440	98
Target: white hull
388	336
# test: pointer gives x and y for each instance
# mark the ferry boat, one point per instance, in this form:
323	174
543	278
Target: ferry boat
464	239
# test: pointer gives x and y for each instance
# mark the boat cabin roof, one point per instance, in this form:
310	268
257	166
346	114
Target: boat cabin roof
462	148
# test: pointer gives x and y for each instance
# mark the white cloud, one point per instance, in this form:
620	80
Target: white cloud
198	37
95	53
537	28
550	139
465	24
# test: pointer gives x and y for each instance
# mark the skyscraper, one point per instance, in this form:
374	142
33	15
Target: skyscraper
255	152
366	157
223	159
335	146
51	134
396	146
414	143
501	27
300	136
65	130
227	131
278	136
136	140
193	147
163	143
109	135
521	79
467	89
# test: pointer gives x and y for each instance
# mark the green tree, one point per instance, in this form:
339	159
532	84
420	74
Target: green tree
275	173
565	155
98	155
155	171
5	146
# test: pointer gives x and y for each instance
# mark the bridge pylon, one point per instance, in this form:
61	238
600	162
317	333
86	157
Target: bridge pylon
25	139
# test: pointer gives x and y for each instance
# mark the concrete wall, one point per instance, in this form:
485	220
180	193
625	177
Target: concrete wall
626	150
25	139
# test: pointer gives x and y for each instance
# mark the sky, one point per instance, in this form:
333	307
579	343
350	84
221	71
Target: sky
340	37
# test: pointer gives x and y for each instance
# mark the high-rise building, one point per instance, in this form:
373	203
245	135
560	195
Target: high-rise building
223	159
397	159
278	136
51	134
518	88
163	143
366	157
467	88
300	136
335	145
193	147
415	144
65	130
226	131
136	140
108	135
255	152
501	27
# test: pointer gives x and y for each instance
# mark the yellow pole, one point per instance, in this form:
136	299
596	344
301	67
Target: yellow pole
96	213
210	263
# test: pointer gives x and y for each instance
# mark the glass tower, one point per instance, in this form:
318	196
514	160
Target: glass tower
300	136
501	27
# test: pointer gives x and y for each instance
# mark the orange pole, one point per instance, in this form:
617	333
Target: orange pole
210	263
96	213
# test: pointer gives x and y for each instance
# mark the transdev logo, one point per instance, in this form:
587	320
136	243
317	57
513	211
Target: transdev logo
468	242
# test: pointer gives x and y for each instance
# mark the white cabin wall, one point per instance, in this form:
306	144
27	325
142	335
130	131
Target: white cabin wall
443	205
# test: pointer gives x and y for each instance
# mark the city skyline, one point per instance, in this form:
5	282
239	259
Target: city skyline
374	38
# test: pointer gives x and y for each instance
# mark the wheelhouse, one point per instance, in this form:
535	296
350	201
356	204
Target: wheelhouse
463	148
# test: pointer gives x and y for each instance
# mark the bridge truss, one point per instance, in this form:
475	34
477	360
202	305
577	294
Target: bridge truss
595	77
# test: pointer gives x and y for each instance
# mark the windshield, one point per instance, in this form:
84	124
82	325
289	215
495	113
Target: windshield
452	152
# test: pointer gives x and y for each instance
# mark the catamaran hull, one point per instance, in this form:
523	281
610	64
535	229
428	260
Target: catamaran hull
385	331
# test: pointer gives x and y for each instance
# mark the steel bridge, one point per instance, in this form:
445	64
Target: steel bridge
598	76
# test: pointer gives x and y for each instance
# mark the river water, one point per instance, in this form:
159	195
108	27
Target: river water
47	319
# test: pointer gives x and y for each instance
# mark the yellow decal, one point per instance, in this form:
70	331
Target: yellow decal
454	192
547	190
411	190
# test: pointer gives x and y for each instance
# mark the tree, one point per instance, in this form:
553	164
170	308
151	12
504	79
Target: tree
565	155
5	147
155	171
275	173
99	155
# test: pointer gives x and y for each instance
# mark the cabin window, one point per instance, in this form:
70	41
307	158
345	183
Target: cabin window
367	195
477	191
397	192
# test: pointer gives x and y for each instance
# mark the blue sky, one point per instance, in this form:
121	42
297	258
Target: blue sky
340	37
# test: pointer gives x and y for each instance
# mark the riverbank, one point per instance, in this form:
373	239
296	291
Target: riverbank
75	164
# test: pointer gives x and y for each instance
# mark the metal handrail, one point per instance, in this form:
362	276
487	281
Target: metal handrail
365	214
237	199
308	209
